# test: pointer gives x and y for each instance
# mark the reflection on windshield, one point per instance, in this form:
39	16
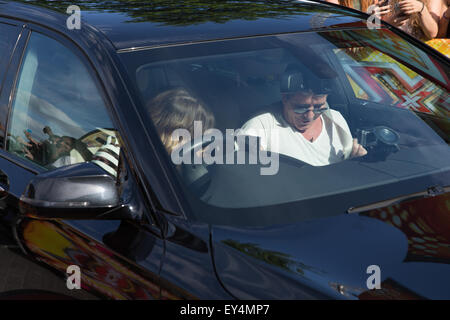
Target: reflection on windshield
345	111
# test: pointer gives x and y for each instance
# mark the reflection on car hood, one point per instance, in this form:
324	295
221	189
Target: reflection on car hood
132	24
328	258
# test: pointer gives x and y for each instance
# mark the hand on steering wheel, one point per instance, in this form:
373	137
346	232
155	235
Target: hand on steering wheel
194	172
357	150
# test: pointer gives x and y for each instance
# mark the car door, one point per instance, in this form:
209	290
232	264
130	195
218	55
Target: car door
9	34
9	42
58	116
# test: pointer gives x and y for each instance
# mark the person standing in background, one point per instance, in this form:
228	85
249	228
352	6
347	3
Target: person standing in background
419	18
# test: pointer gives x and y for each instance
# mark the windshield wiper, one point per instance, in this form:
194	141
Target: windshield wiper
429	192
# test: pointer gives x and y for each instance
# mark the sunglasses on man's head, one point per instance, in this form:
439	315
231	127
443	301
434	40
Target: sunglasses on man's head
318	108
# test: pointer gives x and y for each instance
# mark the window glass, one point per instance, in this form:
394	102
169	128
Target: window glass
377	77
58	115
8	37
268	129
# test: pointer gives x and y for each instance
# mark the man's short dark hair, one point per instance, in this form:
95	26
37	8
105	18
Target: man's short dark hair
295	80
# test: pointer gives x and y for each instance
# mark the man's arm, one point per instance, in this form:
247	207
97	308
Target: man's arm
357	150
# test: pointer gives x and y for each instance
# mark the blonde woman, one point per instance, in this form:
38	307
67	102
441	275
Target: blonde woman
419	18
177	109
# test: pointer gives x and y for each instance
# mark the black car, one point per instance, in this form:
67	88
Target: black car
99	108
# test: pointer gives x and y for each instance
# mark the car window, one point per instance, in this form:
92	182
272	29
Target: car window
8	37
58	115
376	76
232	125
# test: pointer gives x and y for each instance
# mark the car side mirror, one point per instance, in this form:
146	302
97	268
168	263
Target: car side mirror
80	191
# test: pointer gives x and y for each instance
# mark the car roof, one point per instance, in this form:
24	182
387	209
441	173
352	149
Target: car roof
136	24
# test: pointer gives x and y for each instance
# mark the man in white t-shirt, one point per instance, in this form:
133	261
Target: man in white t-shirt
304	127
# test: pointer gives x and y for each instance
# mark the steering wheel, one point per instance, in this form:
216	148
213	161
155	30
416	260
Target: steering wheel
195	172
379	141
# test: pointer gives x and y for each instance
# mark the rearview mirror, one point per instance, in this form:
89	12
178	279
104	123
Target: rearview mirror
81	191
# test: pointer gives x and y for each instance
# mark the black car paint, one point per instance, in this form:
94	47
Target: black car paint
322	260
95	47
196	260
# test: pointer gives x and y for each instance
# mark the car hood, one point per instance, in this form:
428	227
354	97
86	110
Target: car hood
332	257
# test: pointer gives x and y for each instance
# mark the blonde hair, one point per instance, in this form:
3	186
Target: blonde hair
414	22
177	109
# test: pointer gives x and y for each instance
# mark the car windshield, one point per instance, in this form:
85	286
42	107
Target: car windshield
279	128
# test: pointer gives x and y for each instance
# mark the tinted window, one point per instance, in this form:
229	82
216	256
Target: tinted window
8	37
376	76
369	85
59	116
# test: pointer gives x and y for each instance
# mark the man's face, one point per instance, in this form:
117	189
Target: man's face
306	101
63	145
